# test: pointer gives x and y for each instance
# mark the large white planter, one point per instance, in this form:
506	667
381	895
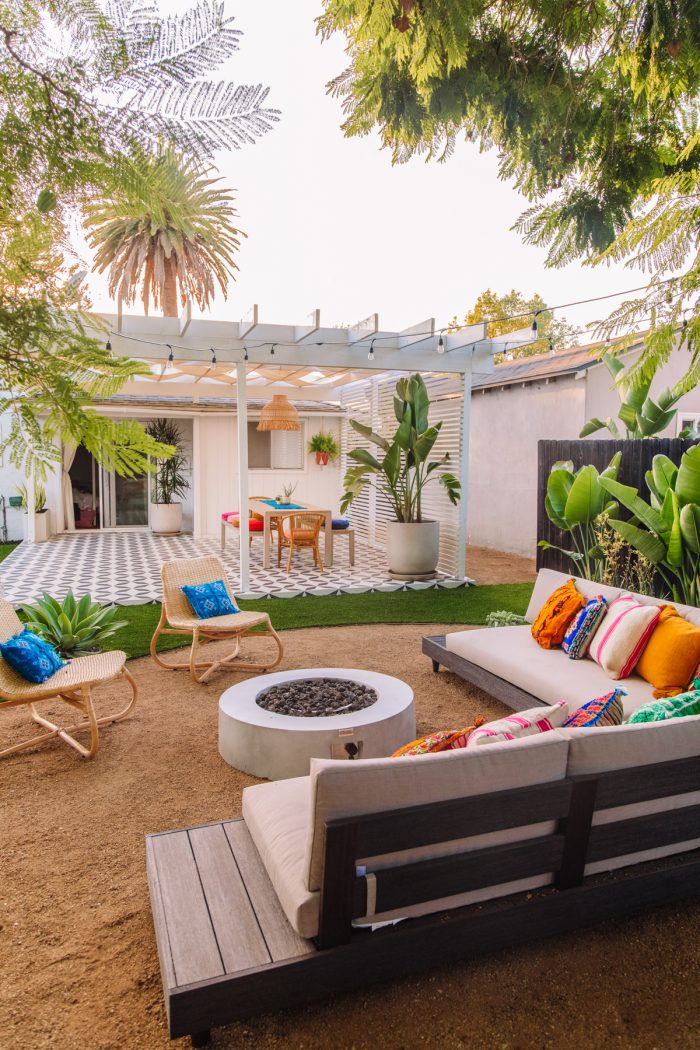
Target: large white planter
166	518
413	548
41	526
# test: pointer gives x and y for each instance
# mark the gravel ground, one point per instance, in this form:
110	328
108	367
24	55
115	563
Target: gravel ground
78	964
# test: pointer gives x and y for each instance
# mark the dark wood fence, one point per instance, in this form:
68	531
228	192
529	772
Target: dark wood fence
637	457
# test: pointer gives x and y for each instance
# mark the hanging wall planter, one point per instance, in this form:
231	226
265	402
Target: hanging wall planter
325	446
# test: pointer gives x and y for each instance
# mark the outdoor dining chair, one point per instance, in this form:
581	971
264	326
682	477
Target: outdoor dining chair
72	685
177	617
298	531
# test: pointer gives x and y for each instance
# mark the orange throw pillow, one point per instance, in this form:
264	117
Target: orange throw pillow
556	614
671	655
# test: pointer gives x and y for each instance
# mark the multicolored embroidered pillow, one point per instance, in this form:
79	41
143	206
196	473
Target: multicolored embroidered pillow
604	711
209	599
556	614
669	707
31	657
443	740
620	639
520	724
672	654
582	628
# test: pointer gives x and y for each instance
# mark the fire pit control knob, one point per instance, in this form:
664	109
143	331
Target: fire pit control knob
352	750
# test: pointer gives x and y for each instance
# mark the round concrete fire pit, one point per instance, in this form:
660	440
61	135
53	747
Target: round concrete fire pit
276	746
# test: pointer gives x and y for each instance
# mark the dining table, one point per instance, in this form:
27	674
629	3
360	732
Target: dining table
270	510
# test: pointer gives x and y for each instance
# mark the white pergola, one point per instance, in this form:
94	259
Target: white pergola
187	354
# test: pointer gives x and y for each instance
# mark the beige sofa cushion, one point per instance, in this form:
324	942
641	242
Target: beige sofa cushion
548	674
342	789
548	580
605	748
277	817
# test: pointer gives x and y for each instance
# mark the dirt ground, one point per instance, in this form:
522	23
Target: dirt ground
78	964
490	566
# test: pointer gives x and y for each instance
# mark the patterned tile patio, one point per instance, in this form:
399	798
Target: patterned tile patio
124	567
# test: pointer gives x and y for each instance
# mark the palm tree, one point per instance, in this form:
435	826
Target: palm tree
164	224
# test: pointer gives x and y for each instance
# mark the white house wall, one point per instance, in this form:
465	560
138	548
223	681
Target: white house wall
506	424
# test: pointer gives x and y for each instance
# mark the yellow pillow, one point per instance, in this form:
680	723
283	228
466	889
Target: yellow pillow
671	655
556	614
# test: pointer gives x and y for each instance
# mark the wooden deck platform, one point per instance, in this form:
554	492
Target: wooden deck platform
216	917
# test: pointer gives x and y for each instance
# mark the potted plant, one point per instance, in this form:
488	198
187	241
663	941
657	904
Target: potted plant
325	446
41	522
402	472
286	497
169	479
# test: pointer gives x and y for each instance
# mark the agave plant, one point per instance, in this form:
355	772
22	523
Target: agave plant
76	626
574	503
640	416
667	529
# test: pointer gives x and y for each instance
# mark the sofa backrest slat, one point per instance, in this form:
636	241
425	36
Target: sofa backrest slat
638	834
622	787
416	826
408	884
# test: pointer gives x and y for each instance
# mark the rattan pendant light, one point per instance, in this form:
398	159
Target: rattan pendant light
279	414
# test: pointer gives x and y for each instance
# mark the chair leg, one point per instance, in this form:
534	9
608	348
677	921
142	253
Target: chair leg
86	705
289	559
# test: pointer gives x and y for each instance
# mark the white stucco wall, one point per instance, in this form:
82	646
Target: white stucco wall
506	424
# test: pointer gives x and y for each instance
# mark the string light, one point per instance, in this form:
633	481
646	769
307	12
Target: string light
171	357
213	355
108	344
272	350
245	353
370	355
534	321
441	345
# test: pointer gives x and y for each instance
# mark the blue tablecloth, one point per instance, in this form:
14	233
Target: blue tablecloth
283	506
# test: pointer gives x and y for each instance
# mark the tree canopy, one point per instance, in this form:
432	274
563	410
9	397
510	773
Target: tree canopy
592	107
82	90
513	311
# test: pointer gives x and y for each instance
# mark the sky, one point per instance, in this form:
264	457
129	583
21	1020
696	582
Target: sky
331	224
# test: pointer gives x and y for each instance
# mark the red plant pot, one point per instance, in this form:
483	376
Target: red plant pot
322	458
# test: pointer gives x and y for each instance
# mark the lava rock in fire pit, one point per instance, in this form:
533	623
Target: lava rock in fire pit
316	697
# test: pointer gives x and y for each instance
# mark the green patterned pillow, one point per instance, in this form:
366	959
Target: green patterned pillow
670	706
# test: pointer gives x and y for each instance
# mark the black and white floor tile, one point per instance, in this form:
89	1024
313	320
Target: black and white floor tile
124	567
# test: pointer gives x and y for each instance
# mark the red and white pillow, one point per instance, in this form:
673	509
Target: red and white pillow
624	631
524	723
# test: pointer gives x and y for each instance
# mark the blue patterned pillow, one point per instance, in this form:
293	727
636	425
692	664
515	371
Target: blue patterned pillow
582	628
209	599
31	657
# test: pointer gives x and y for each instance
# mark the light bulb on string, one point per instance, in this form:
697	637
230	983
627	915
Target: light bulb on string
245	353
171	357
213	355
441	345
108	344
534	321
272	350
370	355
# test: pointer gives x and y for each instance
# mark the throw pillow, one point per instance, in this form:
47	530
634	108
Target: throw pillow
603	711
209	599
556	614
669	707
31	657
620	639
443	740
523	723
582	628
671	654
340	523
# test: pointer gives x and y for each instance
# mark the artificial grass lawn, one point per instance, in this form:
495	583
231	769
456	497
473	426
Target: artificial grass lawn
460	605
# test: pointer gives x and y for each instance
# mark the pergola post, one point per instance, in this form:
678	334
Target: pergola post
242	421
31	505
463	506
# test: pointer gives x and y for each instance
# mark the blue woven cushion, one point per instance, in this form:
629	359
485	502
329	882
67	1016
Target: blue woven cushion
341	523
582	628
31	657
209	599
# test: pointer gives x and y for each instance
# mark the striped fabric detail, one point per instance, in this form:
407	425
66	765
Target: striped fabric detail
524	723
582	628
603	711
619	641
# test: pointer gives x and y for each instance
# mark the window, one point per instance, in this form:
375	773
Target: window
687	421
275	449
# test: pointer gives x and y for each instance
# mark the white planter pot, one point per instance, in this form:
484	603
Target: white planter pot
413	549
41	526
166	518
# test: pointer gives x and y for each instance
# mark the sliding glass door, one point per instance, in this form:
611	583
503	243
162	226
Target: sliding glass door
124	501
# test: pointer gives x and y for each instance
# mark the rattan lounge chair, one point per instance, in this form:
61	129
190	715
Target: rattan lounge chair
177	618
72	685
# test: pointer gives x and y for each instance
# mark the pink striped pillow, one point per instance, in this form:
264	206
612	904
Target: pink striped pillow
624	631
521	723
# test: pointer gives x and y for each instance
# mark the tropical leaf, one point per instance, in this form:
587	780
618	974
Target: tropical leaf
687	485
642	540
